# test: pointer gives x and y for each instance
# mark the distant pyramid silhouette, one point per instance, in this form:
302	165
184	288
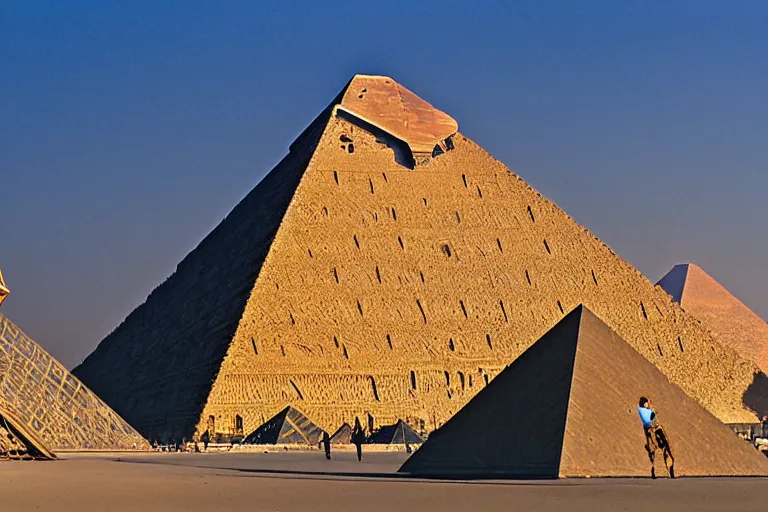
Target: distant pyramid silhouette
289	426
399	433
367	277
734	323
48	406
567	407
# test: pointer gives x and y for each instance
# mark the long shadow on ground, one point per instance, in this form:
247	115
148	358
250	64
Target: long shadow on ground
372	476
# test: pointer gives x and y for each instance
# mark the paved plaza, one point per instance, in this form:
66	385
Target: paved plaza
305	481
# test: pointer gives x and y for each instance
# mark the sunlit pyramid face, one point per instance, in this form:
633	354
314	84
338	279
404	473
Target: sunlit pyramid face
388	268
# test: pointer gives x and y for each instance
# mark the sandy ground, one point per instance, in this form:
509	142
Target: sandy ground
305	481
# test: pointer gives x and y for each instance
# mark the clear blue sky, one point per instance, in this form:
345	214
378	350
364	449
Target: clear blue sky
130	129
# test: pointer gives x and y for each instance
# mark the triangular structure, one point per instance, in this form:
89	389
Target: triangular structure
362	278
393	109
399	433
289	426
567	407
48	406
343	435
4	291
16	444
733	323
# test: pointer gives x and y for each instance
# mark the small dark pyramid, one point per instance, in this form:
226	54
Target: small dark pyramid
289	426
343	435
567	407
399	433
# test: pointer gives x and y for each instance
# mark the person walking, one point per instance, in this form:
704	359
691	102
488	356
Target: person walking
655	437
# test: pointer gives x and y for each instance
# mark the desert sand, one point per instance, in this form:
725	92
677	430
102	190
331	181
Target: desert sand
305	481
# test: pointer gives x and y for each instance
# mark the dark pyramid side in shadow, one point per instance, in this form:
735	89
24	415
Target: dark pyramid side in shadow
289	426
343	435
567	407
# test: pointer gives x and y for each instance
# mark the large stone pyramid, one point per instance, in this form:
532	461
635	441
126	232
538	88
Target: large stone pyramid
567	407
367	277
732	322
48	406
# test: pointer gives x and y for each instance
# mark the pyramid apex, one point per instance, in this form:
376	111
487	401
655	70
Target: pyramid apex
4	291
367	76
578	310
707	299
289	426
385	104
694	266
673	282
682	267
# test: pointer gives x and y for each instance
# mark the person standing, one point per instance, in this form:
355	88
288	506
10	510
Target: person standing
358	438
206	438
327	444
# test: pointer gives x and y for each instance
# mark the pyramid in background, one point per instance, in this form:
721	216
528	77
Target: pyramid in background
399	433
733	323
369	276
289	426
343	435
48	406
567	407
